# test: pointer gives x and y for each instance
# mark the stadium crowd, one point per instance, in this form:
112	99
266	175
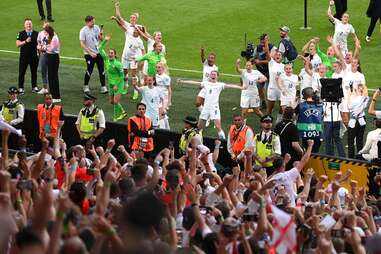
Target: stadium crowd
101	197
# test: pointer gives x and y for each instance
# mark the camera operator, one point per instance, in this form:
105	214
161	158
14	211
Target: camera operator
310	116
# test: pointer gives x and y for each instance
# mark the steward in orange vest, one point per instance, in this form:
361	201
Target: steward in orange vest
240	139
140	130
49	116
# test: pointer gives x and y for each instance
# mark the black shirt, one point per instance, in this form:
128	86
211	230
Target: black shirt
30	48
288	133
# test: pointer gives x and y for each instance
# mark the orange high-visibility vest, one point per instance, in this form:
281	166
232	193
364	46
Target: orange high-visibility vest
140	143
237	140
48	119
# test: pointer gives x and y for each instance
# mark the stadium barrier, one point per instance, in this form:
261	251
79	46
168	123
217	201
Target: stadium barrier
363	172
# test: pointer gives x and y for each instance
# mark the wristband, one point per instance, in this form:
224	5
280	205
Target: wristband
19	201
157	162
260	206
60	215
194	204
217	147
108	150
96	157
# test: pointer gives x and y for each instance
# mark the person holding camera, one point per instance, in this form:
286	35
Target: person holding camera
310	117
91	121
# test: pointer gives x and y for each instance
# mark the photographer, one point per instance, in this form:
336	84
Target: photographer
310	116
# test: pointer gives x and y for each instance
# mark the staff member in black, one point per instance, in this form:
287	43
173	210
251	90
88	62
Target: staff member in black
48	4
341	7
374	13
27	42
52	52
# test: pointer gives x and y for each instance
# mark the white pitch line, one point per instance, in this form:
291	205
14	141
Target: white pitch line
81	59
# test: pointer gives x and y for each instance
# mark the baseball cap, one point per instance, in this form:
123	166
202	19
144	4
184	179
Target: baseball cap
285	29
13	89
266	118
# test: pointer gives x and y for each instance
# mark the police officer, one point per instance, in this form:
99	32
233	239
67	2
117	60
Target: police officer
91	121
12	111
266	145
190	131
310	117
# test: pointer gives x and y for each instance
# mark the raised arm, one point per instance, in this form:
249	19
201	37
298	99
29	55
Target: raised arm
357	52
306	156
102	47
371	110
307	66
145	35
307	45
119	23
329	11
117	12
237	66
202	54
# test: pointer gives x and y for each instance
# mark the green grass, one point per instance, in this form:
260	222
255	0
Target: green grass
219	26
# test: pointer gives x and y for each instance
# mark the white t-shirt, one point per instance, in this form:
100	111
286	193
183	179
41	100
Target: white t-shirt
341	34
133	47
353	79
315	62
129	29
305	79
289	83
275	70
163	82
152	97
250	80
90	37
212	94
150	43
206	70
287	179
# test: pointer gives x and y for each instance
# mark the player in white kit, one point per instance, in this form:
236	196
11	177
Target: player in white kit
208	65
287	83
163	82
211	109
152	97
276	68
250	96
342	30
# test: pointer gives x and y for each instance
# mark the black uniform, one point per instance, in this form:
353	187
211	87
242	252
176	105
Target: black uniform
48	9
341	8
28	56
374	13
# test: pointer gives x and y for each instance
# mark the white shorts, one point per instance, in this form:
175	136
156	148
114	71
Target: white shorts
210	114
252	101
154	118
287	100
273	94
129	64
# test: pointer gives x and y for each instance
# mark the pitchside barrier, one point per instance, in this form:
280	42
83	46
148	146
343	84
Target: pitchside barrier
363	172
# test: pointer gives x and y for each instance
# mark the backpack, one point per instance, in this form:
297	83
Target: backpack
291	53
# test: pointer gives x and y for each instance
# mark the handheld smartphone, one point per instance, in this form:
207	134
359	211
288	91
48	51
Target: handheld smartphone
170	145
90	171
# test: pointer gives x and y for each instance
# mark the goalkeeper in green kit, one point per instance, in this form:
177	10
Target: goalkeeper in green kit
115	77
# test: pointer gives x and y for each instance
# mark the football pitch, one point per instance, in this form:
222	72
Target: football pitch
218	26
